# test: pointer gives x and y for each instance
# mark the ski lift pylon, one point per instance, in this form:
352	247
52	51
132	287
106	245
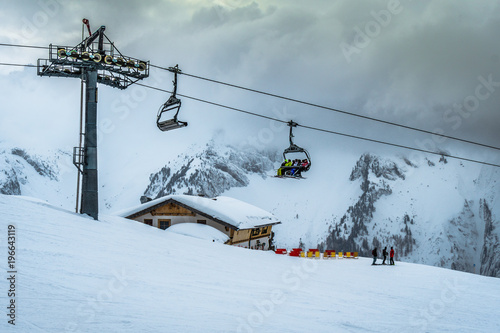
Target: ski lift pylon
173	104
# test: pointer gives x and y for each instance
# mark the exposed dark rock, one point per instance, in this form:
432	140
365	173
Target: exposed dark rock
490	255
209	172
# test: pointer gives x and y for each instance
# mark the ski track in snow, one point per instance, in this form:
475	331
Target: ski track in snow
115	275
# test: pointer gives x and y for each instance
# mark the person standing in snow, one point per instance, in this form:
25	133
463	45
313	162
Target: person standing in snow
392	256
384	253
374	254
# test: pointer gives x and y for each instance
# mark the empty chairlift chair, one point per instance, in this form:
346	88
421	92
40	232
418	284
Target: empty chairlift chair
171	106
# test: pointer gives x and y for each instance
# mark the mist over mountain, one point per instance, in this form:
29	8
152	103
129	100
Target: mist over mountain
210	171
434	211
376	88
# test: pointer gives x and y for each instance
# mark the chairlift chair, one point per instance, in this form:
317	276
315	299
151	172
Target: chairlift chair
294	149
173	104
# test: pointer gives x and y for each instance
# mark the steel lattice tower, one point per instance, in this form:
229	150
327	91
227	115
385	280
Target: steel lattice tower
95	60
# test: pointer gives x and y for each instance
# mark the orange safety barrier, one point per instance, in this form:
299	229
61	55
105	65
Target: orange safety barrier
355	255
347	255
341	254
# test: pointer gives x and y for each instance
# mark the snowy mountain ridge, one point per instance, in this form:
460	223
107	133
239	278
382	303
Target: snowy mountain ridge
384	215
432	210
209	170
436	212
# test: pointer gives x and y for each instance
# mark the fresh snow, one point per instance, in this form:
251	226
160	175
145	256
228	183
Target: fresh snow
235	212
200	231
446	201
116	275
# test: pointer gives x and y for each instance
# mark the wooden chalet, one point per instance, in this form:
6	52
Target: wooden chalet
245	225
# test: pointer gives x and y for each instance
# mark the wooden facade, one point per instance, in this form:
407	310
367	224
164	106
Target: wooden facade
170	212
171	209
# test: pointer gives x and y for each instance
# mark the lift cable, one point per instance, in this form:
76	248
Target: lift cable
309	127
336	110
16	65
25	46
302	102
324	130
213	103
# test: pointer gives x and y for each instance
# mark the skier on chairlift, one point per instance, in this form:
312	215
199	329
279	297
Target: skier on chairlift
294	170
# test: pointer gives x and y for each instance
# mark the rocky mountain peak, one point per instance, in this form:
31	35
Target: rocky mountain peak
371	164
19	167
210	171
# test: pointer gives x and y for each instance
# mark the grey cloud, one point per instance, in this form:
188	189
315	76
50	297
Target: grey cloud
427	59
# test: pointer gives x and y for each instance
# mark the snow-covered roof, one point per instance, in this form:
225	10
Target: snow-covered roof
199	231
224	210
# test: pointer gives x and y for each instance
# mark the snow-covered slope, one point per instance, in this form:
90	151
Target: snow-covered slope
432	210
75	274
49	174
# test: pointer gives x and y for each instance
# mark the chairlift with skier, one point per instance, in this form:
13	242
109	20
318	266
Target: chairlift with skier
296	159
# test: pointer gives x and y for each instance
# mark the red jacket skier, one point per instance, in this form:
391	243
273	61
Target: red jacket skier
391	254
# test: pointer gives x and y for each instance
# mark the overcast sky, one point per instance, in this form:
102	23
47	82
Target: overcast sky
427	64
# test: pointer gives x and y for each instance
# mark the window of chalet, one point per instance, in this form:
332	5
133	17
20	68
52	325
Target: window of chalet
163	224
148	221
201	221
255	232
265	230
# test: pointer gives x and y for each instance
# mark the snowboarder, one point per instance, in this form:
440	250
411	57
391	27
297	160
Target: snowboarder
392	256
384	253
374	254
